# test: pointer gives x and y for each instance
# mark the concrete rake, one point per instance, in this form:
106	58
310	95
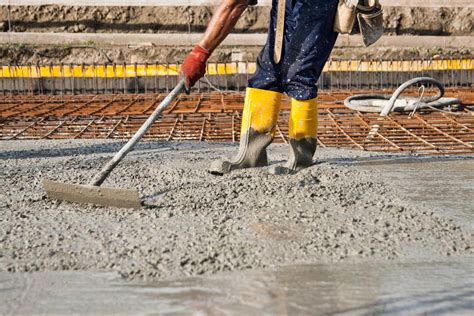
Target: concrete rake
93	192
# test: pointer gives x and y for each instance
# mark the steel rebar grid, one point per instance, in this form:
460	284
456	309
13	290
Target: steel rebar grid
216	117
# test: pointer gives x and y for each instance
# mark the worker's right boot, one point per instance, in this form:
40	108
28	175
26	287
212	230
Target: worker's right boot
259	120
302	133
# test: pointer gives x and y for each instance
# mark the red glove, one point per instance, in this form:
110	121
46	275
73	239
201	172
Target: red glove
194	65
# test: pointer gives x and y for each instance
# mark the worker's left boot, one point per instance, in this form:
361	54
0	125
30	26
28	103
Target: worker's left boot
302	133
259	120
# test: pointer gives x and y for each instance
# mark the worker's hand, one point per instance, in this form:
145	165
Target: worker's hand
194	66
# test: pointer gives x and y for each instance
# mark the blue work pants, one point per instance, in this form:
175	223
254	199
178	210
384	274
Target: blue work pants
308	41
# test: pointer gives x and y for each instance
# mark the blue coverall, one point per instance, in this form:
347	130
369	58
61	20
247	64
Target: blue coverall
308	41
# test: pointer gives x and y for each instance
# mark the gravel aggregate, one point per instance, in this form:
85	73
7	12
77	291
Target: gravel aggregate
194	223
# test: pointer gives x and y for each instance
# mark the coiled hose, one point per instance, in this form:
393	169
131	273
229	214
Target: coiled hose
385	103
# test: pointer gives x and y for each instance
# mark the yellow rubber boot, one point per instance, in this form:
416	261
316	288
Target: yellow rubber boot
258	127
302	133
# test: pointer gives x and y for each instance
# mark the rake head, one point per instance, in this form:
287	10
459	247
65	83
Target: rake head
92	194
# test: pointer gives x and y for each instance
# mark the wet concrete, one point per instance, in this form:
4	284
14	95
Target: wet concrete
252	153
446	185
394	288
359	233
195	223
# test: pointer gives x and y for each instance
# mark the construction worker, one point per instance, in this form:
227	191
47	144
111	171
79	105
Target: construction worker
300	40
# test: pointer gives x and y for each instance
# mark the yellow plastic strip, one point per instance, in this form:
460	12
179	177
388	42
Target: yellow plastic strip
400	65
141	70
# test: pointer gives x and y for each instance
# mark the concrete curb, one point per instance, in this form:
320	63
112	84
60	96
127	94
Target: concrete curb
161	39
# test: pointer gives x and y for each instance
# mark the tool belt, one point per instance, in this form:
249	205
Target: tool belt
369	15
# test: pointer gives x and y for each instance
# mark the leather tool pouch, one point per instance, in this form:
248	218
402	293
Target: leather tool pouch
369	16
345	17
370	20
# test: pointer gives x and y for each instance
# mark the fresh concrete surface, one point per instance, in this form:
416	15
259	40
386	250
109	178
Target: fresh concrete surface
386	288
195	223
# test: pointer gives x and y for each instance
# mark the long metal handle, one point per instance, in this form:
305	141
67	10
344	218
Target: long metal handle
104	173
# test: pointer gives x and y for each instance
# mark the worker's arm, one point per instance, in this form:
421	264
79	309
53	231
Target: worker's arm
222	23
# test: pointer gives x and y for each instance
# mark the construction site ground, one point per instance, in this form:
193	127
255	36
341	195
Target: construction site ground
380	225
213	116
195	223
349	208
399	21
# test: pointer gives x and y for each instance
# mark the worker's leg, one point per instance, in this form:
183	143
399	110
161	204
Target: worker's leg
267	75
309	45
258	126
302	132
262	104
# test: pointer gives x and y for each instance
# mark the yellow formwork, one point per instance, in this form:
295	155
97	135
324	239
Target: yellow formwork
143	70
400	65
